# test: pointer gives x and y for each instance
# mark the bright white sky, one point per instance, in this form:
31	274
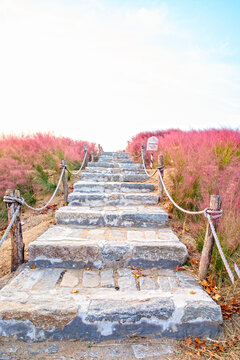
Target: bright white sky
102	73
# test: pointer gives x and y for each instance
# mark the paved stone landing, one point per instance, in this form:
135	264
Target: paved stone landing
64	246
41	304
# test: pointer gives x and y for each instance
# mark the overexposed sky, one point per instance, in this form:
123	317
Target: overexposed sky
103	71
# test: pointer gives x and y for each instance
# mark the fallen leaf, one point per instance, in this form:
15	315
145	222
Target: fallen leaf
74	291
87	269
198	341
192	292
216	297
178	268
188	341
33	267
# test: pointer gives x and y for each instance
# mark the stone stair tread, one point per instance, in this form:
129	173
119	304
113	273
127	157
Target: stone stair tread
118	216
39	304
122	177
115	170
105	165
112	186
114	198
64	246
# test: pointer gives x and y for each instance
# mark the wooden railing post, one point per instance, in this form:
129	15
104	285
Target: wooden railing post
17	245
215	204
143	152
64	180
161	168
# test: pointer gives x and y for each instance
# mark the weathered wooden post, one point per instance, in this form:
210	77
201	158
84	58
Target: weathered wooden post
64	180
151	161
143	153
215	204
161	169
17	245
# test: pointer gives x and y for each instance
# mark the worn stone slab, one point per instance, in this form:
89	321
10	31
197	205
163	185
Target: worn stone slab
101	313
113	171
126	283
107	279
112	216
146	351
114	164
147	283
101	164
112	187
100	199
68	247
35	279
71	278
91	279
122	177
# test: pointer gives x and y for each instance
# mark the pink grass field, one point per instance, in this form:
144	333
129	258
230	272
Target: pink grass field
205	162
19	156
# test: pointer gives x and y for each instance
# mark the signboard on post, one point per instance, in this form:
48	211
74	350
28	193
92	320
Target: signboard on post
152	143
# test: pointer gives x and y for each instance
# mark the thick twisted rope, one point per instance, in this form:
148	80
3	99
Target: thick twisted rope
219	247
21	201
52	197
10	225
210	215
144	167
77	172
175	204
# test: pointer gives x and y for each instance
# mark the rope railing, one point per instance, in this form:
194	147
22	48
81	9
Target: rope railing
12	199
10	225
21	201
210	215
144	167
77	172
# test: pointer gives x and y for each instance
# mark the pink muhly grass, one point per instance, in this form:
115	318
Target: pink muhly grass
206	162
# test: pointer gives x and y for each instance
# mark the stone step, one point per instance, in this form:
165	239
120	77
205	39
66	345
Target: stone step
115	154
113	216
101	164
42	304
116	171
115	160
114	199
121	177
123	166
112	187
68	247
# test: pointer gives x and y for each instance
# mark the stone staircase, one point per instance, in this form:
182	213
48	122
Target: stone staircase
107	269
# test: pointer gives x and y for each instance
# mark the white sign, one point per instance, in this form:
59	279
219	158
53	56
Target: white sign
152	143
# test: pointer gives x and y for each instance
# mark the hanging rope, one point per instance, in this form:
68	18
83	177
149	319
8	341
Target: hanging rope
10	225
77	172
21	201
144	167
210	215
